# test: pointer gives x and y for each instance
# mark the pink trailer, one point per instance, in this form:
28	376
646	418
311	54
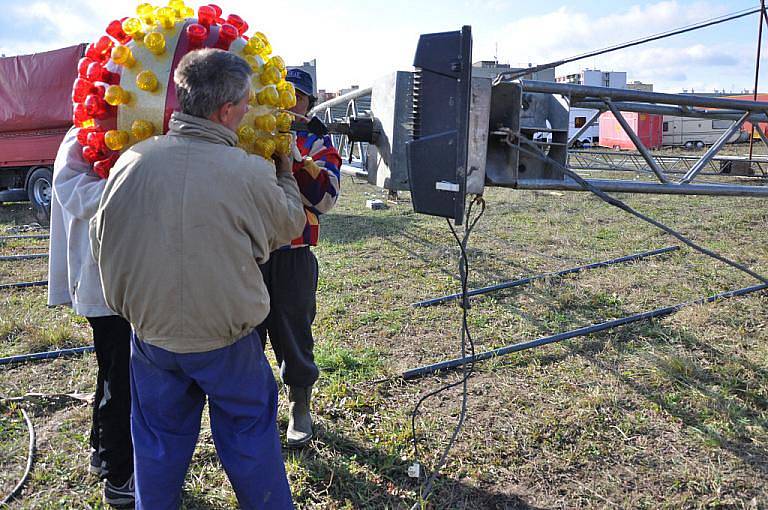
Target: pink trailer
646	126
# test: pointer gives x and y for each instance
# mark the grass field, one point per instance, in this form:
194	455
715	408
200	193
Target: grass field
671	413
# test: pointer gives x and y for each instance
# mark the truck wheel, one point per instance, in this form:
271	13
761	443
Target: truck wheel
699	145
40	189
688	145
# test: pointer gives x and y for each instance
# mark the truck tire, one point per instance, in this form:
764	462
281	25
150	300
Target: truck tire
40	190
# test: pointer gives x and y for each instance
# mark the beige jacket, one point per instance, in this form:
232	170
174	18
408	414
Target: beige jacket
183	224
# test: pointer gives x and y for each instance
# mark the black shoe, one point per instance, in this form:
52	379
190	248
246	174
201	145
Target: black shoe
96	466
120	496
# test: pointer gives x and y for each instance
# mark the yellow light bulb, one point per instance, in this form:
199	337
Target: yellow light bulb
253	99
166	16
269	96
115	139
266	123
155	42
283	143
147	81
254	46
117	95
146	13
270	75
287	95
187	12
264	147
284	121
246	134
123	56
133	27
255	62
266	50
279	63
142	129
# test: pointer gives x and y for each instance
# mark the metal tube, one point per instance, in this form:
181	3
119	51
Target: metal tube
699	166
598	93
638	143
529	279
587	330
40	236
643	187
761	134
342	99
585	126
604	152
11	360
757	68
23	285
673	110
31	256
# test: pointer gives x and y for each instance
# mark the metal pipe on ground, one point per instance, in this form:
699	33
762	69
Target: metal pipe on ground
529	279
38	236
644	187
37	356
587	330
31	256
24	285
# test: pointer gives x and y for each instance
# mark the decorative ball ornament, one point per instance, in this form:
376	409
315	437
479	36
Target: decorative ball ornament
124	92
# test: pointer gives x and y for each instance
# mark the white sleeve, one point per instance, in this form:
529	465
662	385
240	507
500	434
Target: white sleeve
77	187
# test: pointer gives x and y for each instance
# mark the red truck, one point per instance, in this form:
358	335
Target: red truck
35	113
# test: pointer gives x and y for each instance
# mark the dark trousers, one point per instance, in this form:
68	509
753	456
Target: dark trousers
111	420
169	393
291	279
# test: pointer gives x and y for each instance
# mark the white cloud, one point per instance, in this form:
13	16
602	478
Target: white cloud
569	31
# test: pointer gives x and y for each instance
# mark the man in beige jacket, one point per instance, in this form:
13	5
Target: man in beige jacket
184	222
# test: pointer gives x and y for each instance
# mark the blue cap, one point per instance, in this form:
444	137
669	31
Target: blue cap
302	80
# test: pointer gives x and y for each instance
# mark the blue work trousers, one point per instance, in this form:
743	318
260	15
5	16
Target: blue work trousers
168	395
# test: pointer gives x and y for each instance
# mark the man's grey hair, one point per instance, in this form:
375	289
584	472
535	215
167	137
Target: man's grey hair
207	79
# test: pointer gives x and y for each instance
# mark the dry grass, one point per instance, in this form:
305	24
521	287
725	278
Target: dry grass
671	413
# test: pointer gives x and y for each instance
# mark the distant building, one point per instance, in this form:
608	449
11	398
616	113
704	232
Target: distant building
311	68
324	95
491	68
596	78
638	85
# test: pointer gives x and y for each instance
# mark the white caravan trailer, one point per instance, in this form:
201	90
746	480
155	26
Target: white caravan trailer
690	132
577	118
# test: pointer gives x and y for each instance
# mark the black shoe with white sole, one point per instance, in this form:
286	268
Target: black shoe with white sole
120	496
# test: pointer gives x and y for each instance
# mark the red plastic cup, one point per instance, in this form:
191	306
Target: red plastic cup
196	34
238	22
227	34
115	29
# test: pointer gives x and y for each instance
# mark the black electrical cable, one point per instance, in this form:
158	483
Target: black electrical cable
466	340
509	75
624	207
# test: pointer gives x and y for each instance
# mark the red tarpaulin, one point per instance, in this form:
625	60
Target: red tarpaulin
36	90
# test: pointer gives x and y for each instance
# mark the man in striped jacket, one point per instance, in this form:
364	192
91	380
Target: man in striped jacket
291	272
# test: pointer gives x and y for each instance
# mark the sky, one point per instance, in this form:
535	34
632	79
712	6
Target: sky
355	42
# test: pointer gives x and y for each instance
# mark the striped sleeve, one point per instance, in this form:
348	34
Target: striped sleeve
319	179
